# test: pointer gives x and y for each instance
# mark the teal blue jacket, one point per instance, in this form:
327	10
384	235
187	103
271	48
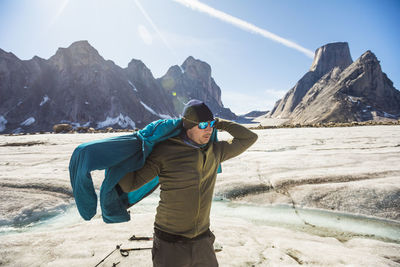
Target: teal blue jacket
117	156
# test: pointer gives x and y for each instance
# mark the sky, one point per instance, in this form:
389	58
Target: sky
257	49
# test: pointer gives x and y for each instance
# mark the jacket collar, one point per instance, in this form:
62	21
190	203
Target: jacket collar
189	142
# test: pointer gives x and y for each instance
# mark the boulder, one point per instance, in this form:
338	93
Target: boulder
62	128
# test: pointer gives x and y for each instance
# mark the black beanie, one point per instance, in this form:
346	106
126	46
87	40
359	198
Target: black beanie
196	110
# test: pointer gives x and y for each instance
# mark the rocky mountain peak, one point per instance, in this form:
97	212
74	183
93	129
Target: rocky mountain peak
326	59
138	69
79	53
174	71
337	90
192	80
196	68
137	64
77	86
7	55
330	56
368	56
79	45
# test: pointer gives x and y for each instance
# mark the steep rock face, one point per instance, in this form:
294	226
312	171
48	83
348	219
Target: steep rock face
365	80
78	54
98	93
326	58
336	91
193	80
151	94
79	87
330	56
20	82
199	74
361	92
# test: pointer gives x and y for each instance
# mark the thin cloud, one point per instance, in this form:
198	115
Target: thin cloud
143	11
145	35
197	5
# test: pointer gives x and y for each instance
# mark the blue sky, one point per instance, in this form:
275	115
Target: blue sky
257	49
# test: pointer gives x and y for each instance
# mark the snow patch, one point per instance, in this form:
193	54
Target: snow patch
121	120
352	99
77	124
387	115
163	116
182	70
3	123
19	103
134	87
18	130
86	103
44	101
28	121
25	87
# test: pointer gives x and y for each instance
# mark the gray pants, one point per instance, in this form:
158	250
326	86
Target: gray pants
184	253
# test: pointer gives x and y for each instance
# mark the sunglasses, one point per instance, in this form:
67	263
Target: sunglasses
203	125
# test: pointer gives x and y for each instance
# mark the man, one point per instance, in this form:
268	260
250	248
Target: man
187	167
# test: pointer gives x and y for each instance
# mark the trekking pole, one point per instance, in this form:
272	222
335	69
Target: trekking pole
125	252
139	238
117	247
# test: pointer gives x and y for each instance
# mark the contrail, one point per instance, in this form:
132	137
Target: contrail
197	5
153	25
59	12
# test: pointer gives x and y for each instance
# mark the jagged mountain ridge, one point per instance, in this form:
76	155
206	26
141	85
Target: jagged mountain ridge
340	90
193	80
78	86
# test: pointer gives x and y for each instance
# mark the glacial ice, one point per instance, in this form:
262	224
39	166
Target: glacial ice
254	230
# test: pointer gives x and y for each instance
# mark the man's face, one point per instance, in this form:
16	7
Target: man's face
200	136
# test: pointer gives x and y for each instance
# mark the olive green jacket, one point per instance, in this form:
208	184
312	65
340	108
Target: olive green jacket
187	177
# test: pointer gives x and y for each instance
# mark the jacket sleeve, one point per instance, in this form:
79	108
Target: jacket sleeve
134	180
243	138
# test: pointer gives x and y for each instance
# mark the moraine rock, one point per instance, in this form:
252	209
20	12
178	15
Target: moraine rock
62	128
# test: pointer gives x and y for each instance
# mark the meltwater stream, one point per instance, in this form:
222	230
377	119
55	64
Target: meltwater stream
318	222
